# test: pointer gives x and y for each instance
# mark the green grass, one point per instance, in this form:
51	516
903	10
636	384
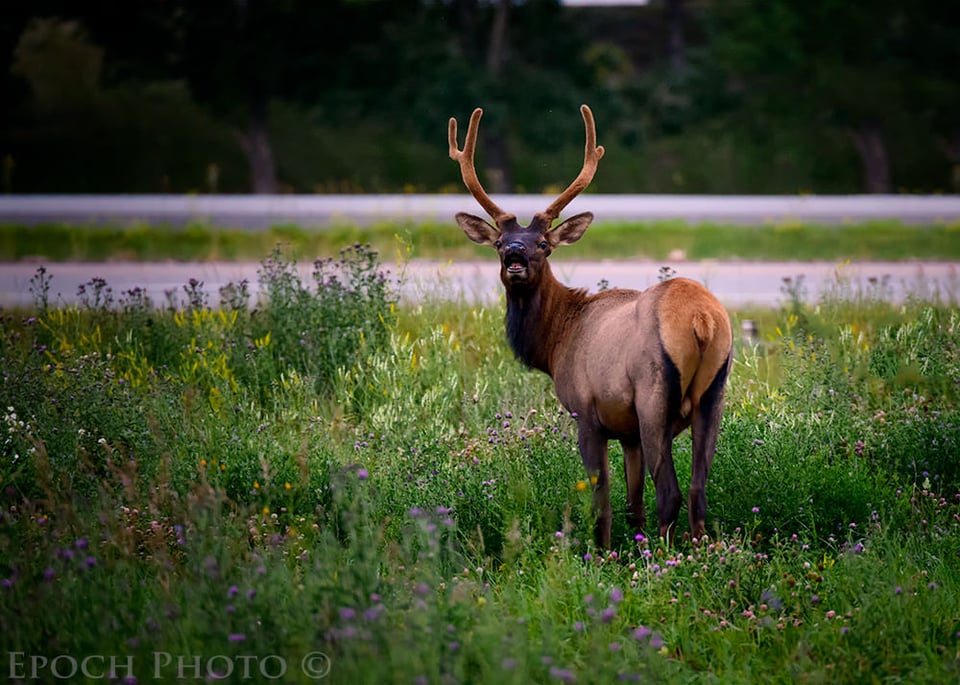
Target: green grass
329	484
874	241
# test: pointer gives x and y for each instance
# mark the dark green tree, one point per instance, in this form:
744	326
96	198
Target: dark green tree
872	70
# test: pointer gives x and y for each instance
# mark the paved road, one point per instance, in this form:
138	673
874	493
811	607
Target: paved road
253	212
735	283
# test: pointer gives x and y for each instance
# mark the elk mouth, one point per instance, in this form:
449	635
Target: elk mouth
514	263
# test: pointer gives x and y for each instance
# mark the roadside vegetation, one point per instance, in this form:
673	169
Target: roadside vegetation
375	493
871	241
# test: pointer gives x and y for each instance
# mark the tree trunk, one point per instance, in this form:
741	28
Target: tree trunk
255	140
676	45
495	142
868	140
951	150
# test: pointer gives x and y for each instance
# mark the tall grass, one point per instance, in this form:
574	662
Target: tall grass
328	485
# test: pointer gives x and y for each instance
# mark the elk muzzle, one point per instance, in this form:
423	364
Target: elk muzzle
514	260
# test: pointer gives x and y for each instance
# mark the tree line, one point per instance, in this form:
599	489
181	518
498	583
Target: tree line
353	95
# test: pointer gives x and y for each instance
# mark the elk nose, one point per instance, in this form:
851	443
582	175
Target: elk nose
516	246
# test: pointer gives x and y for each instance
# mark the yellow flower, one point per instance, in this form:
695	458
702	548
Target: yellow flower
287	485
593	480
266	510
203	462
581	485
256	485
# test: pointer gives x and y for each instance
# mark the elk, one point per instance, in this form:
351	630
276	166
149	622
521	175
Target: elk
635	366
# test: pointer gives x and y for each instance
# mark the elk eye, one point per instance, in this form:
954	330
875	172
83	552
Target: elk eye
498	244
543	244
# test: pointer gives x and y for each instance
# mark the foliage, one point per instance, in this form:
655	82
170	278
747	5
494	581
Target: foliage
409	504
766	102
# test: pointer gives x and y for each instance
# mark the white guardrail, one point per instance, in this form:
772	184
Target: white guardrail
261	211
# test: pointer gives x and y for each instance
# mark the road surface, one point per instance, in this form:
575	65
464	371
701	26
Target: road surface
737	284
262	211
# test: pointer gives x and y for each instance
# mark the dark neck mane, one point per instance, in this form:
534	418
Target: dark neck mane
537	319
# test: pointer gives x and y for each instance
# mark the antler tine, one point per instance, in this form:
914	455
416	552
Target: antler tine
591	158
467	169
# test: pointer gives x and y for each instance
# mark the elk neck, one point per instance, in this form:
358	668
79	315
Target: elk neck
539	317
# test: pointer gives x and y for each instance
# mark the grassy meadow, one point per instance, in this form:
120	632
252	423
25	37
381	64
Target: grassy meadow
329	487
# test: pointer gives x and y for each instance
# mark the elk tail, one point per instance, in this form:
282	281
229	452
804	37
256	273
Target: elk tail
704	328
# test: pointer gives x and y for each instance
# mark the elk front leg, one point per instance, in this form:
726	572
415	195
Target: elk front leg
593	451
635	476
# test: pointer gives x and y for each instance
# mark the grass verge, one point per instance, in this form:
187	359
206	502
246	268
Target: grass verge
874	241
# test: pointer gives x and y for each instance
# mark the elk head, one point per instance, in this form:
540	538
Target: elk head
523	250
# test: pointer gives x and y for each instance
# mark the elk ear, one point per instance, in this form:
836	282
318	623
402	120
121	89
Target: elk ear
478	230
570	230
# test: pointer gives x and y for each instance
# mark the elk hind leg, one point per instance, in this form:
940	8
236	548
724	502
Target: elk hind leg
705	427
657	443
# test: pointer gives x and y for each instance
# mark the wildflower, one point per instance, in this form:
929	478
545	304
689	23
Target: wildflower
236	637
616	595
508	664
614	646
581	485
756	510
232	591
49	573
641	633
831	614
363	474
587	556
251	593
287	485
559	534
347	614
578	627
563	674
608	614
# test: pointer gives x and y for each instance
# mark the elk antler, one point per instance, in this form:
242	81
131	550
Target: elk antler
467	169
591	157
